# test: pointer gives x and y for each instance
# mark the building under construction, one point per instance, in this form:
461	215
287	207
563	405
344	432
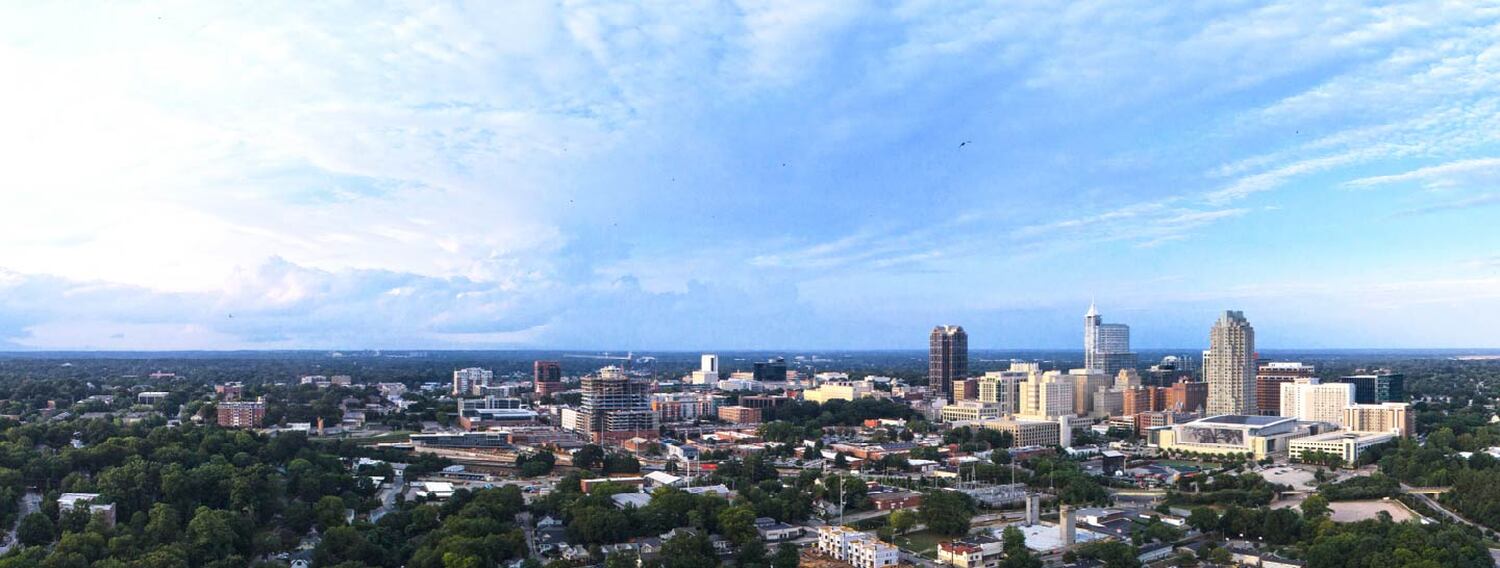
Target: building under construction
616	407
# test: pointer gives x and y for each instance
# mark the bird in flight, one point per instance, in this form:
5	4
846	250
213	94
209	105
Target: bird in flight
964	143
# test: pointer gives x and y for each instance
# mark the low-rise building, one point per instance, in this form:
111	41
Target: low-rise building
973	552
894	499
772	531
68	502
971	410
859	549
740	414
1346	445
1033	432
848	390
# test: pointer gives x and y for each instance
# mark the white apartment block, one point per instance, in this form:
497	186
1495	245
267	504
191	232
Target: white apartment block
468	382
856	548
1307	399
871	553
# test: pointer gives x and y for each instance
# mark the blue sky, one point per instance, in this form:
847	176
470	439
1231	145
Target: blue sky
740	175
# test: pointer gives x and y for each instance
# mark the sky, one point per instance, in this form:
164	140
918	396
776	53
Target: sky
746	175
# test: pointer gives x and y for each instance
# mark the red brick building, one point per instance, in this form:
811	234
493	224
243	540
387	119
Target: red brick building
739	414
1187	396
546	378
891	500
1269	377
241	414
1143	399
763	400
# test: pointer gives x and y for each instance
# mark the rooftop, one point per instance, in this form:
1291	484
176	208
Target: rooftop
1243	419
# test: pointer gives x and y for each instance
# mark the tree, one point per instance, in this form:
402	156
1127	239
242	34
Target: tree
1016	553
35	529
330	512
163	526
786	557
1315	506
1114	554
688	550
621	560
902	520
215	534
1220	555
738	524
752	554
947	512
533	465
589	456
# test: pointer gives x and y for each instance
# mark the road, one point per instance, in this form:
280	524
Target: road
388	498
30	503
1430	502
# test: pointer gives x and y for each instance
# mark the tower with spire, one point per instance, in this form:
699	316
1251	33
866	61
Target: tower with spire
1106	346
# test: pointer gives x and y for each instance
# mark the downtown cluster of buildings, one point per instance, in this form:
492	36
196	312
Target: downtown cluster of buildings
1240	406
1226	403
1236	404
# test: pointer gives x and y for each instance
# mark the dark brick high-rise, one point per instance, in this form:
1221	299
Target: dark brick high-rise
948	359
546	378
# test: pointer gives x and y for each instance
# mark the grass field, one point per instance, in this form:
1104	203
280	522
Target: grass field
924	543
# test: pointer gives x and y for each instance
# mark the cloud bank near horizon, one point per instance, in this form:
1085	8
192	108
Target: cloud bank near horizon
747	174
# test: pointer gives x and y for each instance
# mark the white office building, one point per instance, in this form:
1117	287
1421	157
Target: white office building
708	370
1307	399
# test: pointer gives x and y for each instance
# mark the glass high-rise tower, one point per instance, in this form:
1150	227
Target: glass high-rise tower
948	359
1106	346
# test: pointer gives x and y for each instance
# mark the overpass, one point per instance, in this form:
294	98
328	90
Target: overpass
1431	491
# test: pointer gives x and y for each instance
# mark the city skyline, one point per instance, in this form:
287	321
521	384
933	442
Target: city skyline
757	176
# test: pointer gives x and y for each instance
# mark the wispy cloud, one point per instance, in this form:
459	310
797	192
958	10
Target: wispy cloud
1476	172
1465	204
495	173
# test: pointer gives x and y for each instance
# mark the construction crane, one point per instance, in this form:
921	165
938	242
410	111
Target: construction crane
626	359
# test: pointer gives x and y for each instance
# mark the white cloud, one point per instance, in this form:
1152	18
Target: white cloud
1476	172
509	172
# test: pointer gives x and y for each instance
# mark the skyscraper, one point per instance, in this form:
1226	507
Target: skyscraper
616	407
1106	346
1229	366
948	359
546	378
